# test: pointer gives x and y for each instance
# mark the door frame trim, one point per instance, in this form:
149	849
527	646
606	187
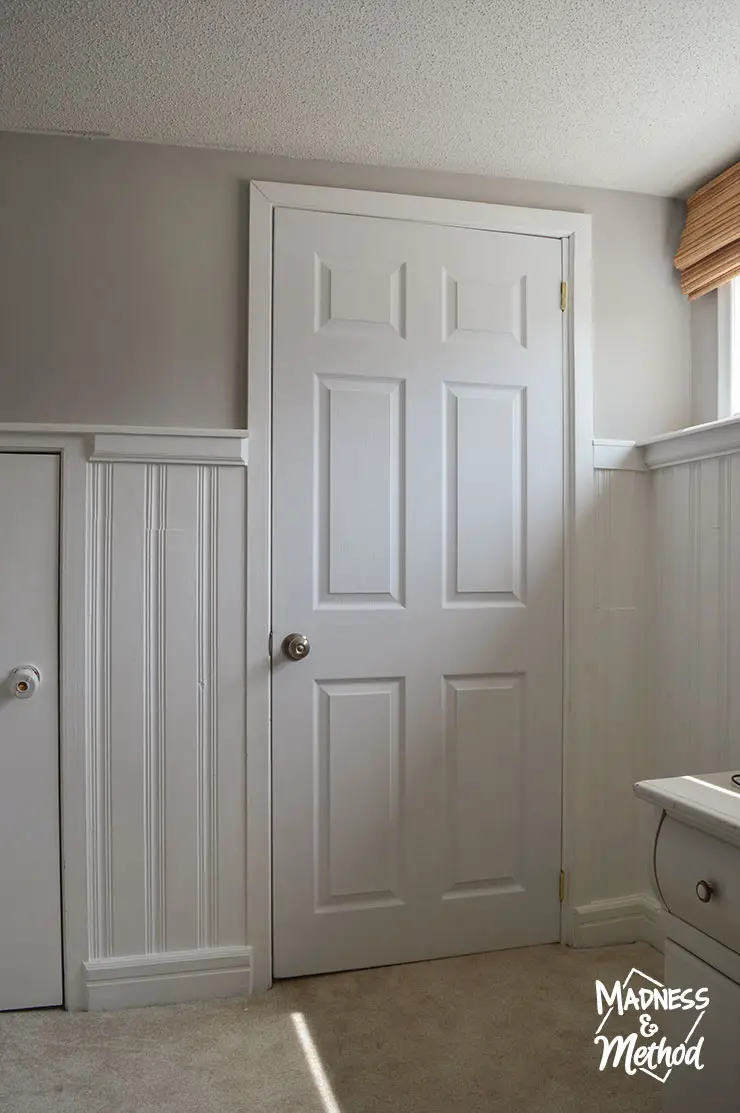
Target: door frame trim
574	230
72	789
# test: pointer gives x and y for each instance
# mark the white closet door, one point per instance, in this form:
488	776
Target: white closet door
418	544
30	908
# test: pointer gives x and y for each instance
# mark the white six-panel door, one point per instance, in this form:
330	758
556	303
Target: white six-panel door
418	544
30	915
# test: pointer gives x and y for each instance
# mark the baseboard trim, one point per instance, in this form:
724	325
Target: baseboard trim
631	919
166	979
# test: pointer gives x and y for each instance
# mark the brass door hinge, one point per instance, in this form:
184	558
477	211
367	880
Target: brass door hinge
562	886
563	296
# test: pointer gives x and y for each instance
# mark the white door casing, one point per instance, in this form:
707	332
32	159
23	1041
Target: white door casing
418	542
30	887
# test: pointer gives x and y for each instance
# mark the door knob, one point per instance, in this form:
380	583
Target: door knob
296	647
24	681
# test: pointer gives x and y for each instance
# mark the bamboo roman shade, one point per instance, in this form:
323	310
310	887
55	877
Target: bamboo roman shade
709	253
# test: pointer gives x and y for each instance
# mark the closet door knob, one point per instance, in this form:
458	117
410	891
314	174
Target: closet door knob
24	681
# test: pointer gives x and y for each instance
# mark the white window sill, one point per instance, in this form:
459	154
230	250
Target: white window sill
699	442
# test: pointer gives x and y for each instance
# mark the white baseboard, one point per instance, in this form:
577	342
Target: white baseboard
168	978
631	919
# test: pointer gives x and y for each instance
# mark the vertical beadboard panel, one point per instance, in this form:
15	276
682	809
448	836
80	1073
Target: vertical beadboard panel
154	688
697	630
727	576
207	725
230	605
622	678
181	682
707	740
166	716
127	702
99	654
663	693
731	758
674	642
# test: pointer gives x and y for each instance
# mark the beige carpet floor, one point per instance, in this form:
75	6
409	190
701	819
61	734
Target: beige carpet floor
510	1032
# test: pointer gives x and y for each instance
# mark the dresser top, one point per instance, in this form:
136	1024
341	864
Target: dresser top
709	801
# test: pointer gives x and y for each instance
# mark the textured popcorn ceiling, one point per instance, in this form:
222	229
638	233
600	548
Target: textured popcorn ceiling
630	94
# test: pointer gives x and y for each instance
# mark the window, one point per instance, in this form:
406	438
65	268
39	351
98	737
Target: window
728	349
734	352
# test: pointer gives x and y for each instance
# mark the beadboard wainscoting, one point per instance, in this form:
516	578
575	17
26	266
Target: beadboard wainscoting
152	711
696	509
622	688
166	721
615	902
158	864
665	700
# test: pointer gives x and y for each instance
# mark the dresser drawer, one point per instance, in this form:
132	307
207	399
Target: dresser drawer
714	1089
686	858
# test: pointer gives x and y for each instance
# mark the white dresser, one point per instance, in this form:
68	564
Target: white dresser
697	874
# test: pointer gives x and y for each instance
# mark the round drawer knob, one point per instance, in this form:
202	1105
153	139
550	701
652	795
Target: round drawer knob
704	891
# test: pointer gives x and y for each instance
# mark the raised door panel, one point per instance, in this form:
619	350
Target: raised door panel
485	490
359	793
359	552
359	300
484	737
474	305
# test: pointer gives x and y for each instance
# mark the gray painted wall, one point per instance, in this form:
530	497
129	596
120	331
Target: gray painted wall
123	282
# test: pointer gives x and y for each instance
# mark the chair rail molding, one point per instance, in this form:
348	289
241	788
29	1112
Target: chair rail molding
699	442
121	443
170	448
612	455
